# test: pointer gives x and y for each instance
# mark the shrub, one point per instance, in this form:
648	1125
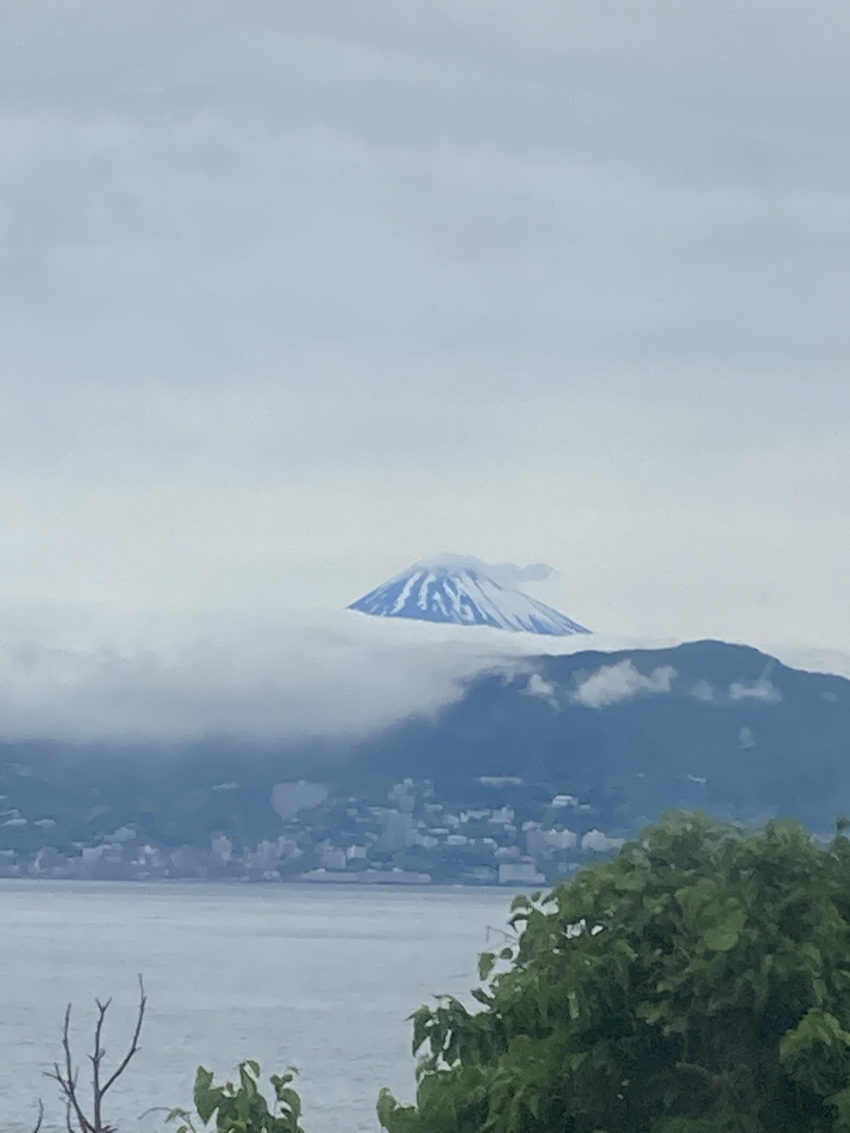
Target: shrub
697	983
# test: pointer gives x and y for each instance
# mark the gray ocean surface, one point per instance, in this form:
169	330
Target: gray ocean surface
319	977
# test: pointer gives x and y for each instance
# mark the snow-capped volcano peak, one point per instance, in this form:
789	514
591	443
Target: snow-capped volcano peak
465	591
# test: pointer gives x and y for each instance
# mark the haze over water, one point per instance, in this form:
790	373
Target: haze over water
322	978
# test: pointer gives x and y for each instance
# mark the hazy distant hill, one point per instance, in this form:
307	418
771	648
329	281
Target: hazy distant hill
703	723
630	733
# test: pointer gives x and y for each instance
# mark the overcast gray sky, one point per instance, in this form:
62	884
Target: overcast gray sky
295	293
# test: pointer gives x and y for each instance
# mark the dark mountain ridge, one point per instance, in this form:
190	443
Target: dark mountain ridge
765	737
627	734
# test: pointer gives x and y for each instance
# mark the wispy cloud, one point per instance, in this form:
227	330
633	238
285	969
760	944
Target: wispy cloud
703	690
511	574
507	574
544	690
762	690
614	683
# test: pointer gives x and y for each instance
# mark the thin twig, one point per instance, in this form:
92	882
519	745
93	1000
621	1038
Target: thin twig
96	1060
40	1116
134	1045
509	936
68	1080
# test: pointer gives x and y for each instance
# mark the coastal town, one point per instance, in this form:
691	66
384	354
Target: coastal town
412	839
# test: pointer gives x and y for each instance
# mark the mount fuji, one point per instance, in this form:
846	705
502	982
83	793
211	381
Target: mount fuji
463	591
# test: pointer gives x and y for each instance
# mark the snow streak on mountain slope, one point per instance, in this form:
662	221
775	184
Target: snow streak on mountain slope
462	592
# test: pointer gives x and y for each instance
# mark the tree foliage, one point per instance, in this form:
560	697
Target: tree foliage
697	983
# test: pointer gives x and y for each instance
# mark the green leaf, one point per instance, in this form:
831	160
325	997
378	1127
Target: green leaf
572	1000
423	1021
721	938
206	1099
486	963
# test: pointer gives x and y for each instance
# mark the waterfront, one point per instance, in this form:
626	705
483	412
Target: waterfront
321	977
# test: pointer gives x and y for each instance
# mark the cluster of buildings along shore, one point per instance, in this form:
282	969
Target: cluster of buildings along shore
412	839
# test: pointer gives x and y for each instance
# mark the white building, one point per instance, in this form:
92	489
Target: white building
221	849
596	842
522	873
540	843
399	830
334	859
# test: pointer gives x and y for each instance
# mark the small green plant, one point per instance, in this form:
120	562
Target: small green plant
243	1108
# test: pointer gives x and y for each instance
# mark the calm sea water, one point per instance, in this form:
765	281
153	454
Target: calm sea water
319	978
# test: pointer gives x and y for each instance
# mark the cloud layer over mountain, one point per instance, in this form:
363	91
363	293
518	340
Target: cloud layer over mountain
332	675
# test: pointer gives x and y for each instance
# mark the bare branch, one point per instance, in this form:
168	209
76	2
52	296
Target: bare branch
68	1087
40	1116
96	1060
66	1076
134	1045
68	1080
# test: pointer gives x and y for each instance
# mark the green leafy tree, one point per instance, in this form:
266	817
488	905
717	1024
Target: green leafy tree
243	1108
697	983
